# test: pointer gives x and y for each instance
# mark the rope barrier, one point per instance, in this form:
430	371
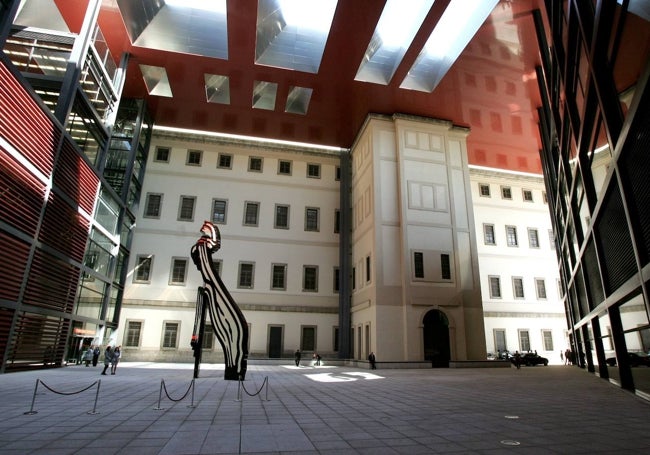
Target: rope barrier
163	386
38	381
242	386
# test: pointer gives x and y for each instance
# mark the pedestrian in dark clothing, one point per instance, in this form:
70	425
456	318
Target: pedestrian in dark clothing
296	357
96	353
108	357
372	359
517	359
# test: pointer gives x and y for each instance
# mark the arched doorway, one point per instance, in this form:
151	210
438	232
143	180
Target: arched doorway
436	339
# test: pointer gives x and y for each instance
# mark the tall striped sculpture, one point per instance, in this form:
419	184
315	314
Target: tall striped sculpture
228	322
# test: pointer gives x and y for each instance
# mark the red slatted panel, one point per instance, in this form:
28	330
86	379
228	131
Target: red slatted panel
21	195
64	229
76	178
52	283
37	341
13	257
6	317
24	124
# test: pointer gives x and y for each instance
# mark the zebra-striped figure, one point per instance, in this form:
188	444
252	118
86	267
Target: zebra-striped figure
228	322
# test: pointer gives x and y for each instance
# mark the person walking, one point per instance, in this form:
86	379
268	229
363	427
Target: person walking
372	359
88	356
108	356
296	357
517	359
96	353
116	359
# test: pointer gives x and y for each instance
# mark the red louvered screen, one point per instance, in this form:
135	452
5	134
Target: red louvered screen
13	257
21	195
25	125
52	283
37	341
64	228
76	178
6	318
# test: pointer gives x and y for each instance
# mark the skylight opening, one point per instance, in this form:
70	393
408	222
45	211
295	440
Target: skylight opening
393	35
155	78
292	34
458	24
213	6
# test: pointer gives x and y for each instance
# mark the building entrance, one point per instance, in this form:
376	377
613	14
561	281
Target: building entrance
436	339
275	342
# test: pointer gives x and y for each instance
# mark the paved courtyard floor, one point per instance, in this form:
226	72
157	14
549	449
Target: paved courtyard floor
323	410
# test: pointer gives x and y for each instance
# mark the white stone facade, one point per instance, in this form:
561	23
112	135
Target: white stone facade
411	200
522	304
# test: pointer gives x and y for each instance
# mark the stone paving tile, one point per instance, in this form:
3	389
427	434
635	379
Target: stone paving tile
548	410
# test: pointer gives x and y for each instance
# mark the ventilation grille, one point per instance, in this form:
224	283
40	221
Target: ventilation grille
614	242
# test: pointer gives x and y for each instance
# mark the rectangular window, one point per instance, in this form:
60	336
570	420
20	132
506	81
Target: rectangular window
246	270
186	208
518	287
495	287
336	339
152	205
170	334
337	173
308	338
540	286
313	171
418	264
281	217
544	198
179	271
143	269
251	210
354	278
219	207
533	238
337	279
506	192
284	167
217	264
279	277
500	339
488	234
133	331
367	269
208	337
524	341
310	278
484	189
255	164
547	337
337	221
551	238
194	157
511	236
224	161
445	266
527	195
162	155
311	219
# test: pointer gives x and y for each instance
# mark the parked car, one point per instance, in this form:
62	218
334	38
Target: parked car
634	359
531	359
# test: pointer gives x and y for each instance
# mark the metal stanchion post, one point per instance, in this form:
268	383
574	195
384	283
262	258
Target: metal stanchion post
192	405
31	409
160	396
99	382
267	388
238	390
